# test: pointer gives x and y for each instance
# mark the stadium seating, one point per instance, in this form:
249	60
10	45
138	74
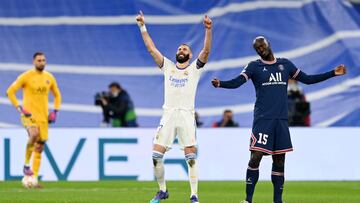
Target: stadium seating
90	45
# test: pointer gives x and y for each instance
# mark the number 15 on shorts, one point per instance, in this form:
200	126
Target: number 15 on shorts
262	138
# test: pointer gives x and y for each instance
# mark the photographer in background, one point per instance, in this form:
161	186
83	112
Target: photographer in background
298	107
117	106
226	121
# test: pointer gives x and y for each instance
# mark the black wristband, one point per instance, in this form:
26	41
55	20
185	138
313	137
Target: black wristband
199	64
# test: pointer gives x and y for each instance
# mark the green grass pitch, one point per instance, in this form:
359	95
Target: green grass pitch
209	192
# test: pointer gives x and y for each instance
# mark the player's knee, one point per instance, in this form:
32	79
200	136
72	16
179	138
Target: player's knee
279	161
32	139
278	166
39	147
191	149
254	163
191	159
255	160
157	158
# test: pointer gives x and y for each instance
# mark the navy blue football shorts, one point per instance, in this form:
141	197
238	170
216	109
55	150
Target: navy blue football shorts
271	136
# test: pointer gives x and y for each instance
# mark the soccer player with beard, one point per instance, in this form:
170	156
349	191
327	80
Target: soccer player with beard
270	131
180	81
36	84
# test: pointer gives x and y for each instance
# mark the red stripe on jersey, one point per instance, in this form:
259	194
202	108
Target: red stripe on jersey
296	73
261	150
254	140
271	152
283	151
246	77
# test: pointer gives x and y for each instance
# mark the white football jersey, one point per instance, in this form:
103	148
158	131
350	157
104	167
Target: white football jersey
180	85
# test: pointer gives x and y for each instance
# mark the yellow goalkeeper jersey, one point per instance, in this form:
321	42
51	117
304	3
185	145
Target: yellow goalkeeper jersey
36	86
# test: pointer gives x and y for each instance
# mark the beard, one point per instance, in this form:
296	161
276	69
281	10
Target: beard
181	58
40	67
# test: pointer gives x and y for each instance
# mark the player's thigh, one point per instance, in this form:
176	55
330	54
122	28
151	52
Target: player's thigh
187	129
165	134
282	142
31	126
28	122
263	135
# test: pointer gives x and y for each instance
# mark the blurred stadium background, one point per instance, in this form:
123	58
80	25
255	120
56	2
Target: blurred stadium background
90	43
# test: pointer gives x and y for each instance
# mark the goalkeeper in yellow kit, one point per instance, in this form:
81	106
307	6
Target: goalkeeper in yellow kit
36	84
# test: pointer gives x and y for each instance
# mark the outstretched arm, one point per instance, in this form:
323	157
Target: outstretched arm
311	79
204	53
155	53
230	84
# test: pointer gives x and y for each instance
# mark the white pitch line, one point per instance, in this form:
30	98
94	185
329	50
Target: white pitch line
335	89
69	189
332	120
211	66
8	125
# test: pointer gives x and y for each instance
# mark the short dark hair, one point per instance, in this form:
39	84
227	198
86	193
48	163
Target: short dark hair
260	38
38	54
115	84
186	45
227	111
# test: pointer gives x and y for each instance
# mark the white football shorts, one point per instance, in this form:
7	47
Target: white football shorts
176	123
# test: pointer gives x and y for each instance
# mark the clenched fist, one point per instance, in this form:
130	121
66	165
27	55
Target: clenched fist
207	22
140	19
215	82
340	70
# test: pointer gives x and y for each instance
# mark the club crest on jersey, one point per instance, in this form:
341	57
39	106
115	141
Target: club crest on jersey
265	69
47	82
281	67
186	73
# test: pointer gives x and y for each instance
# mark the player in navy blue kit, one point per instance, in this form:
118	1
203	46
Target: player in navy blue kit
270	131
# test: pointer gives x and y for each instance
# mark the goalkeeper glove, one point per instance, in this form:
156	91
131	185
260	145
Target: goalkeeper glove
23	111
52	116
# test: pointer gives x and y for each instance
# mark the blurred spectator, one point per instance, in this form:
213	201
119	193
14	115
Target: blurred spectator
226	121
298	107
197	120
117	106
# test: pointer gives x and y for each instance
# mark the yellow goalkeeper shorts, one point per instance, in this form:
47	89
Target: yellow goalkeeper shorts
43	127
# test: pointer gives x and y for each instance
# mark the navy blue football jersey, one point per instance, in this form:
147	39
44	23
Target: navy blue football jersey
270	82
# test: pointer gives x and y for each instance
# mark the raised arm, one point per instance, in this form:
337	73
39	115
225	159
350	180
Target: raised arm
155	53
204	53
311	79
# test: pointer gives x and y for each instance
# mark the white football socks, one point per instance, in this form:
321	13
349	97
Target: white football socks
193	172
159	170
